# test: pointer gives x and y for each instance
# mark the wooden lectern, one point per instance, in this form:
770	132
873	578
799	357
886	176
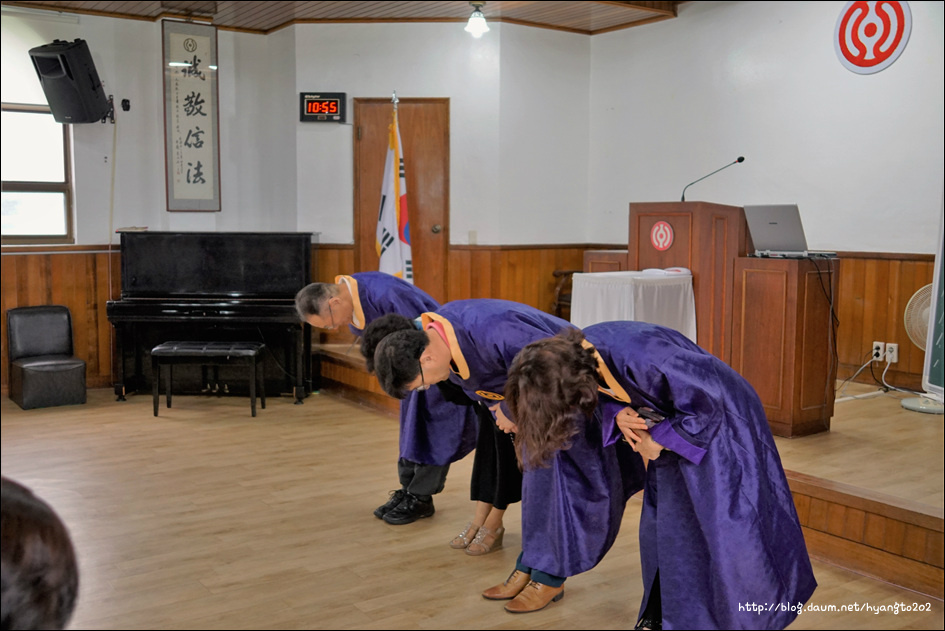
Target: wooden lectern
706	238
770	319
783	339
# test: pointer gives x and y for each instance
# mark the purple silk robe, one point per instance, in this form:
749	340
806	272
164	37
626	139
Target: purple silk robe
571	511
484	336
718	518
433	431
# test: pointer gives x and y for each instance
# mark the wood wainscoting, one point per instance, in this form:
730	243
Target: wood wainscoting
509	272
330	260
523	273
82	278
872	293
520	273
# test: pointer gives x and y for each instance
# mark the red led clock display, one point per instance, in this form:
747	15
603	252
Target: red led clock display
327	106
322	107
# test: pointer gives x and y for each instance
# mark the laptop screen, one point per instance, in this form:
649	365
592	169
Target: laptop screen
776	230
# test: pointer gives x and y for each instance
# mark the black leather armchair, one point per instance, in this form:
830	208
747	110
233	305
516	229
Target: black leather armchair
43	370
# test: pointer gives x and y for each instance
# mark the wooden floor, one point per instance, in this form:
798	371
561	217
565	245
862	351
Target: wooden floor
876	444
205	518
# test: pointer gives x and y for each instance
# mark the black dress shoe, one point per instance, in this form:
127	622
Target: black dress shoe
647	622
396	497
409	510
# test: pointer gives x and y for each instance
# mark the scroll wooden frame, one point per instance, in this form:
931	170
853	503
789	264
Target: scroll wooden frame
191	117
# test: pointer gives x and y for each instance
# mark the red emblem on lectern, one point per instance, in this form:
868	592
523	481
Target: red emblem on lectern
870	36
661	236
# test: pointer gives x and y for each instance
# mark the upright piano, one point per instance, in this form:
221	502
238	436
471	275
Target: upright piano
213	286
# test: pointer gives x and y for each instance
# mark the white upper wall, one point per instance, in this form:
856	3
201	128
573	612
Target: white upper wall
518	123
543	138
138	138
415	60
552	134
258	187
862	155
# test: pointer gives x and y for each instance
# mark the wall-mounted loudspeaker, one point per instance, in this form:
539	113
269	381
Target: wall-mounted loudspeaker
69	79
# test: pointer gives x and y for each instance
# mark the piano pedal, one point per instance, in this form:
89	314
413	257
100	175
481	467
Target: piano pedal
226	389
207	389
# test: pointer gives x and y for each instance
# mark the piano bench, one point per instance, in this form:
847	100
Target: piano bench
208	353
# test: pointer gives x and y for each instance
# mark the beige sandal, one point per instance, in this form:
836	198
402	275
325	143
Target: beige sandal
463	539
486	541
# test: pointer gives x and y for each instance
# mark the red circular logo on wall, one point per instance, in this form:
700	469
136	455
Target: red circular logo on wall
661	236
870	36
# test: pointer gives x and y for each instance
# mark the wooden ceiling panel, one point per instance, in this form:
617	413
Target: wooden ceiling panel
253	16
266	16
587	17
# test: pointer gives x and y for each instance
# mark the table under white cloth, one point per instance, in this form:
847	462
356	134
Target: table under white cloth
662	297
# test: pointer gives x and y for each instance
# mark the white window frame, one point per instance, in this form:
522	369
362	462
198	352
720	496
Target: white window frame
64	187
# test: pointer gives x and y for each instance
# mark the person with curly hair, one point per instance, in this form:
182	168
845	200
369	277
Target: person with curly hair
718	525
473	343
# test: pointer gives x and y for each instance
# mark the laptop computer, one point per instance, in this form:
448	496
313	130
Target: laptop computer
776	231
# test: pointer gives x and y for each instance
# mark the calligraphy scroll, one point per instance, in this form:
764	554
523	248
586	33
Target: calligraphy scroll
191	117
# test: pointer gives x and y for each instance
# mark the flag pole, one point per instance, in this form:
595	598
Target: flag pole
392	237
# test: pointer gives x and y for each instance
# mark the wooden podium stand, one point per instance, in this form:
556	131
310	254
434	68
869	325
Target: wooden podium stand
705	238
783	340
605	261
769	319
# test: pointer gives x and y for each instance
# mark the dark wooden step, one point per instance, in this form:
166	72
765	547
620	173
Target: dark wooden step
343	373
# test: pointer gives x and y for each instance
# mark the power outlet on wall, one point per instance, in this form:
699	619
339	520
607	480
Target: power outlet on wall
879	352
892	353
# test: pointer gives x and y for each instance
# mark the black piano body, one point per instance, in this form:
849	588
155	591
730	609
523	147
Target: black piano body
213	286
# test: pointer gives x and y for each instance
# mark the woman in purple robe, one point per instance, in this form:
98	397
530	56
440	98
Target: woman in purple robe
437	427
570	512
719	532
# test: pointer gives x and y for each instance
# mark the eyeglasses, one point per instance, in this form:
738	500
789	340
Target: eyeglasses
331	315
423	383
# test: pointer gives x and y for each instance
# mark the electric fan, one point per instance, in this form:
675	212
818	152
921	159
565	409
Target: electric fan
916	321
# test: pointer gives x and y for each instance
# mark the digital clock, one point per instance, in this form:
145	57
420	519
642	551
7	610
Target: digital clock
322	107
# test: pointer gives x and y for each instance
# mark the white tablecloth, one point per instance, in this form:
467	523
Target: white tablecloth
654	296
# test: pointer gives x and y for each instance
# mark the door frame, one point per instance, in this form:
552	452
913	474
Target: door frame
434	281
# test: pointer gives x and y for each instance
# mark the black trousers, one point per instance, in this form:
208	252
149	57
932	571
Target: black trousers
422	480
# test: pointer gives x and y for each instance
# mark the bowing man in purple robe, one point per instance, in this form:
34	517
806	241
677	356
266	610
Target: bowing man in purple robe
436	428
570	513
718	532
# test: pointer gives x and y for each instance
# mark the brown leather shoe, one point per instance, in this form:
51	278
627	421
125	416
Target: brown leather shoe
535	596
510	588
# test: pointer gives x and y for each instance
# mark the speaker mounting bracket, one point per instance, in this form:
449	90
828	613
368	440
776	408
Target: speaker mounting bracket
110	114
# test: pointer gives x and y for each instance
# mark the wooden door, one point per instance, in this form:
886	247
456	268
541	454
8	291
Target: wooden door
425	131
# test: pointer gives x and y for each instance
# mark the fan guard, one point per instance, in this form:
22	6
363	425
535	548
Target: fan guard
916	320
916	316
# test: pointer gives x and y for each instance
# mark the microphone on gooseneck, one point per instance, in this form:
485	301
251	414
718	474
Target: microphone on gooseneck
737	160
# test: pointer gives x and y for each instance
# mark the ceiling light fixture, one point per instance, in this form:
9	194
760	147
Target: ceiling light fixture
477	21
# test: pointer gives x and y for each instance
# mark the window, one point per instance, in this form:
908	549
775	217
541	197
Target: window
37	183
